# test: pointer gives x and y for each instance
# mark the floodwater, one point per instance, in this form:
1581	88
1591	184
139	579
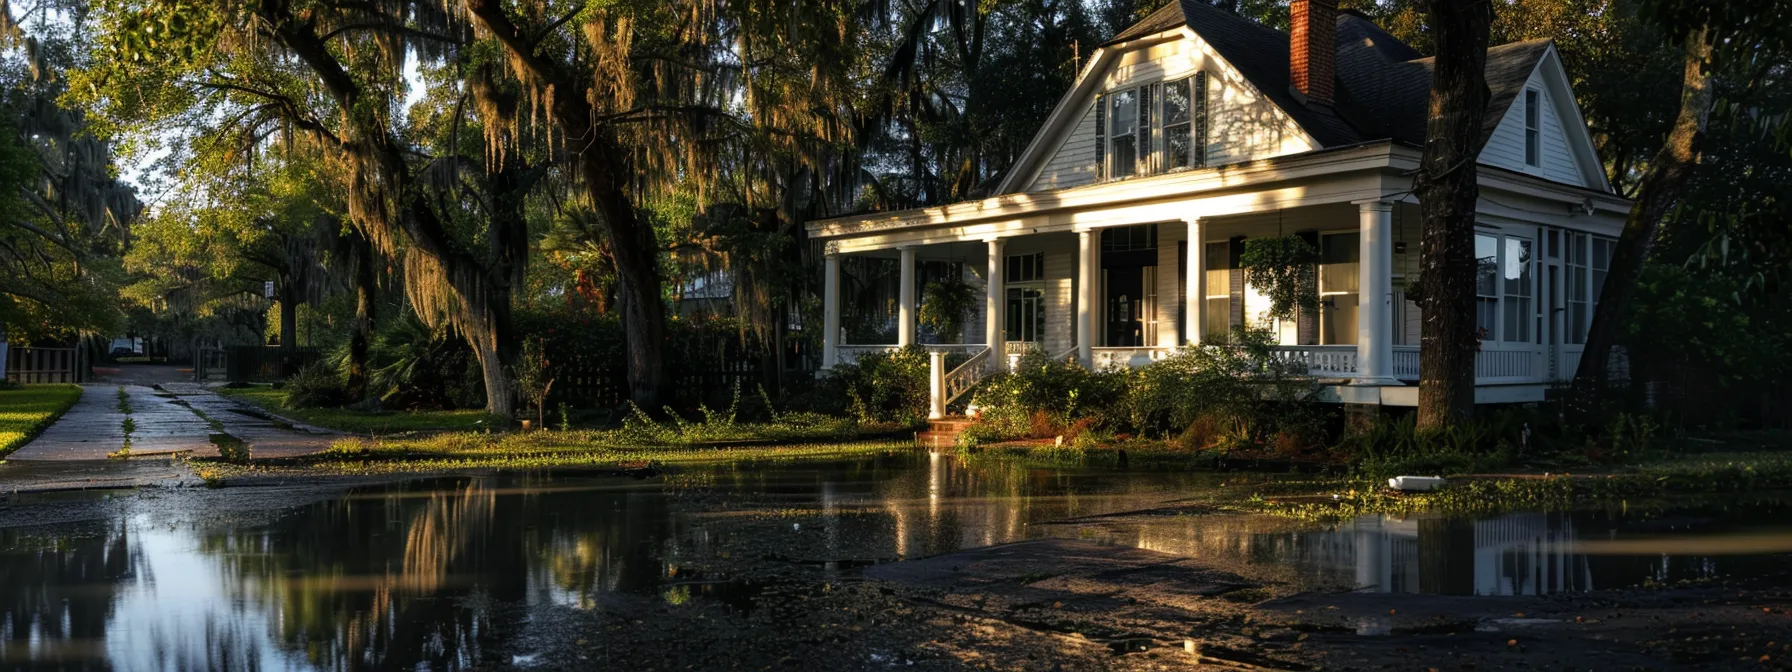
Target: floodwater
449	573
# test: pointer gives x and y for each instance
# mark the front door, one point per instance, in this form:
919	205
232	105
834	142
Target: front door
1125	307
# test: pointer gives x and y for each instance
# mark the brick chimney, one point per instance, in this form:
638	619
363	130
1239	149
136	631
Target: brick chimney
1313	49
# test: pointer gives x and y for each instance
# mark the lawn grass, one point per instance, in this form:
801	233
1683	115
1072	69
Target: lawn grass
452	451
27	410
361	422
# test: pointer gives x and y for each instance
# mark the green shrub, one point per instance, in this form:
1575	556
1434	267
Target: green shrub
879	387
1394	446
1043	397
318	385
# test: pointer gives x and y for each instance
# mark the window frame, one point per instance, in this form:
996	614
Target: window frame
1533	127
1149	135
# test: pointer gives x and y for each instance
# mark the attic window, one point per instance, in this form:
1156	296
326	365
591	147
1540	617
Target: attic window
1533	149
1123	143
1185	122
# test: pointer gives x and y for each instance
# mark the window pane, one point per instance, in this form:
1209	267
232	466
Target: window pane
1125	118
1219	275
1176	103
1487	250
1123	161
1176	147
1518	267
1485	315
1219	319
1338	262
1518	320
1532	144
1337	324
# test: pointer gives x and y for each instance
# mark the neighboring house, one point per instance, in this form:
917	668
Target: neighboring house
1196	125
709	294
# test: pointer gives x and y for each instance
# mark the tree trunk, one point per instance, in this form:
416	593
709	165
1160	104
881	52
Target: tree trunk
1447	189
360	341
603	165
1657	192
500	394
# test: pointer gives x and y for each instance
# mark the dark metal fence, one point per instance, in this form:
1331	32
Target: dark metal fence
266	364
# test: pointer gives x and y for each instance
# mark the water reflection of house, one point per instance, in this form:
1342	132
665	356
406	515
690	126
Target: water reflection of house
1516	554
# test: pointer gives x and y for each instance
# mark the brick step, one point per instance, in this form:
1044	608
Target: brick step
937	439
954	424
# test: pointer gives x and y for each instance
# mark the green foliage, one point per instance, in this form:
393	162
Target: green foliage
1043	397
879	387
27	409
1284	269
1240	393
317	385
365	422
944	305
1213	397
1393	446
533	379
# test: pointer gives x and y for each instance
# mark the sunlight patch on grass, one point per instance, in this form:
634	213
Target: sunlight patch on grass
27	410
359	422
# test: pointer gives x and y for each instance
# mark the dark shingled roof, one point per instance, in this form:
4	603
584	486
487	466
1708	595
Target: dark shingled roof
1383	86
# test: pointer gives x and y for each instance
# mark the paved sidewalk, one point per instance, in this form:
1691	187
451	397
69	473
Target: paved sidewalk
94	427
267	435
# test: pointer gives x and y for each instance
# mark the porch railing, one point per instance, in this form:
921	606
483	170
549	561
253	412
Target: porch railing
1112	358
1491	366
1323	361
946	387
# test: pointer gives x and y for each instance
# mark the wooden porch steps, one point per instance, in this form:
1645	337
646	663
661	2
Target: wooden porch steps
943	433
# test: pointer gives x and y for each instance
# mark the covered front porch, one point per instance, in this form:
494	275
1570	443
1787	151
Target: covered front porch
1119	275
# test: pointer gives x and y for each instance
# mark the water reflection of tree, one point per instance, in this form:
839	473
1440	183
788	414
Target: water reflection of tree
58	592
426	573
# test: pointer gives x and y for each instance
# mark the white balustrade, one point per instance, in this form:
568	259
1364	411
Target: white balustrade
1323	361
945	387
1114	358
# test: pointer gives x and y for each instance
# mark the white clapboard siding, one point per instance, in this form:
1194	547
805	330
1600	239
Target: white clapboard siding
1243	124
1073	164
1169	269
1505	148
1060	294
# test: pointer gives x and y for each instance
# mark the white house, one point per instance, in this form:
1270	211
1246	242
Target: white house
1113	237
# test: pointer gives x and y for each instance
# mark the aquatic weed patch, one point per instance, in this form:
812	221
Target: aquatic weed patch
27	410
1710	474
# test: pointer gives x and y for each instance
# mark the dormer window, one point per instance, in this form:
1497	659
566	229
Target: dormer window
1185	122
1130	121
1123	134
1533	136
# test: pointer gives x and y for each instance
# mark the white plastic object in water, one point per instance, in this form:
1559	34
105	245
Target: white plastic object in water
1415	483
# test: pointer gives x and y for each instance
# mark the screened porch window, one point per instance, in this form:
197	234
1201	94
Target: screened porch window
1487	284
1515	276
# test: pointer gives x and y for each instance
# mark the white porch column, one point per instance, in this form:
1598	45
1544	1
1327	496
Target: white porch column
1086	279
905	296
1195	279
992	304
1375	279
830	310
936	384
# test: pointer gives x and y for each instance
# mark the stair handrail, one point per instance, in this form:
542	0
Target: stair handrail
960	380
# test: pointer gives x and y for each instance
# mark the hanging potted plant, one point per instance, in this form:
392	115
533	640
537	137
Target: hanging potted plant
1284	269
944	304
